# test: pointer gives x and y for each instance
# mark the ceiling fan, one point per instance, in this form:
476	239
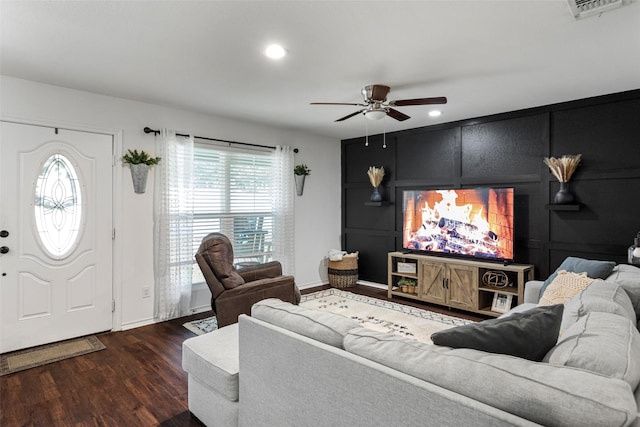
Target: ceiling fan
376	107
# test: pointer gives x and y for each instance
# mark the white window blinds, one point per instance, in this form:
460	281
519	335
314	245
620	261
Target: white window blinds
233	195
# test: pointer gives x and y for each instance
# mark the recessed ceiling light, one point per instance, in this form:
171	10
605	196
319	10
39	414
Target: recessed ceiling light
435	113
275	51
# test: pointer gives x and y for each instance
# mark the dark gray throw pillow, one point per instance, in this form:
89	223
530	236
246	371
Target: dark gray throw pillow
595	269
530	334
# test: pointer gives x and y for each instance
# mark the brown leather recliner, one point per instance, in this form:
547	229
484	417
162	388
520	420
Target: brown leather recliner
233	292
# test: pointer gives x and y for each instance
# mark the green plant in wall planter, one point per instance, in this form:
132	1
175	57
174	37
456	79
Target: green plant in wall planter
300	172
140	162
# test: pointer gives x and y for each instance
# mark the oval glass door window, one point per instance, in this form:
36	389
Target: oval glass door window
58	206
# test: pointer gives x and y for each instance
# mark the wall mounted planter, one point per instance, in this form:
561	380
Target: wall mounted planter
139	174
299	173
299	184
139	162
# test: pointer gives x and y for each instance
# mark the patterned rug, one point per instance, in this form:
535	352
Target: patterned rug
37	356
202	326
372	313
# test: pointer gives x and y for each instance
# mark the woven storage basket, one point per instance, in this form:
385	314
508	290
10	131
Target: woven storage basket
344	274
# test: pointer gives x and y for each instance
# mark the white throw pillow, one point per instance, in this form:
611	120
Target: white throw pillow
565	286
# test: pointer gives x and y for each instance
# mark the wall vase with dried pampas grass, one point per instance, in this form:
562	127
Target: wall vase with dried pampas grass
563	168
375	177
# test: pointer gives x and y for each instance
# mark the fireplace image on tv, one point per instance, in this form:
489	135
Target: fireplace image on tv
466	222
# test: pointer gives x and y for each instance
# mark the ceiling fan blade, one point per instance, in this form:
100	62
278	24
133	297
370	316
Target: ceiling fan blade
397	115
379	92
419	101
349	116
337	103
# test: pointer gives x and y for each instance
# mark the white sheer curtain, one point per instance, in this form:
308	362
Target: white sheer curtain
173	225
283	209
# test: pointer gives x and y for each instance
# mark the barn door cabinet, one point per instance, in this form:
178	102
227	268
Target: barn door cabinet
468	285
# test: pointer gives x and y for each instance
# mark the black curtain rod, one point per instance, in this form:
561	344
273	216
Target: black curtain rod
155	132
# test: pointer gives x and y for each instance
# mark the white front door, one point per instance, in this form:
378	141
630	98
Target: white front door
55	234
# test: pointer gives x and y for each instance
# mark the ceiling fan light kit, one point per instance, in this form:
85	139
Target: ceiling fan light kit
375	114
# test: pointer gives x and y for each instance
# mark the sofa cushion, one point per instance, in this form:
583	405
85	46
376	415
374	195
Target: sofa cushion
322	326
604	343
529	334
594	269
628	277
601	296
565	286
213	358
528	389
637	395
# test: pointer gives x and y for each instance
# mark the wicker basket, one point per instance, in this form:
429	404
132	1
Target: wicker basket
344	274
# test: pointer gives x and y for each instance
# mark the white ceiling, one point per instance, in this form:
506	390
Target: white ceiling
485	56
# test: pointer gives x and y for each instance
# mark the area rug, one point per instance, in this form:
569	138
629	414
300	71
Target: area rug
202	326
372	313
381	315
37	356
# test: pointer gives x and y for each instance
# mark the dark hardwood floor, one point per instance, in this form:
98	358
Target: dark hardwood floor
136	381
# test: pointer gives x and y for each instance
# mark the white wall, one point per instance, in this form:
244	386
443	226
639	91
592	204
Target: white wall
317	211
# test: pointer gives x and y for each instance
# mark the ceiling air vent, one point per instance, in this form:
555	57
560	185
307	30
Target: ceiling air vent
584	8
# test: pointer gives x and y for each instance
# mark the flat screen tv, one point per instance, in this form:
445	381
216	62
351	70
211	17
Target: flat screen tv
474	222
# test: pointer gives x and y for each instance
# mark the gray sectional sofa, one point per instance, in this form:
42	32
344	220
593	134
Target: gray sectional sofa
290	366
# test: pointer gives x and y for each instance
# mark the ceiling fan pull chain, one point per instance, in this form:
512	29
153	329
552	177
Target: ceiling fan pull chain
366	134
384	133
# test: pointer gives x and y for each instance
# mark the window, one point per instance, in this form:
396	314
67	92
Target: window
233	195
58	206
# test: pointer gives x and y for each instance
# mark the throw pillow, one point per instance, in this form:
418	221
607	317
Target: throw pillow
530	334
594	269
565	286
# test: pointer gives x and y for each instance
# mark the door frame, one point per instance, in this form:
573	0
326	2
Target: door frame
116	202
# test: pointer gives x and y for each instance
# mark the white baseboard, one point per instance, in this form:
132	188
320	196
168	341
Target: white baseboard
206	307
201	309
151	321
360	282
137	324
373	284
311	285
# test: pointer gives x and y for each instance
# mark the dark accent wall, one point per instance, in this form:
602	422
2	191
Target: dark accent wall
507	150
